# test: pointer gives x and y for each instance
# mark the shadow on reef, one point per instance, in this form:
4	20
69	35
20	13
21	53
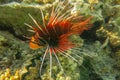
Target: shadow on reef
90	35
12	31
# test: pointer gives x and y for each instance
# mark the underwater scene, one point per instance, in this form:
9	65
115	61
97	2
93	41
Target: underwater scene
59	39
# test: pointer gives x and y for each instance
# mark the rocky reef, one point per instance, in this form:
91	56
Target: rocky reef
98	50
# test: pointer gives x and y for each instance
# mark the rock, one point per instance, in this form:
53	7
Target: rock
13	17
39	1
8	1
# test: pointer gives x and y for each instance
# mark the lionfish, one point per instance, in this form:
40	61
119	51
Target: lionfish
54	34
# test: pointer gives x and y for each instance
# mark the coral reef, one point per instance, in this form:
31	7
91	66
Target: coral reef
7	75
98	48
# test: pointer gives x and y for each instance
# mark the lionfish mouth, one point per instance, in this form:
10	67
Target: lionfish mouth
55	32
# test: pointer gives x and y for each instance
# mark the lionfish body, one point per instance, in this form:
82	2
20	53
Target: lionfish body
55	32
